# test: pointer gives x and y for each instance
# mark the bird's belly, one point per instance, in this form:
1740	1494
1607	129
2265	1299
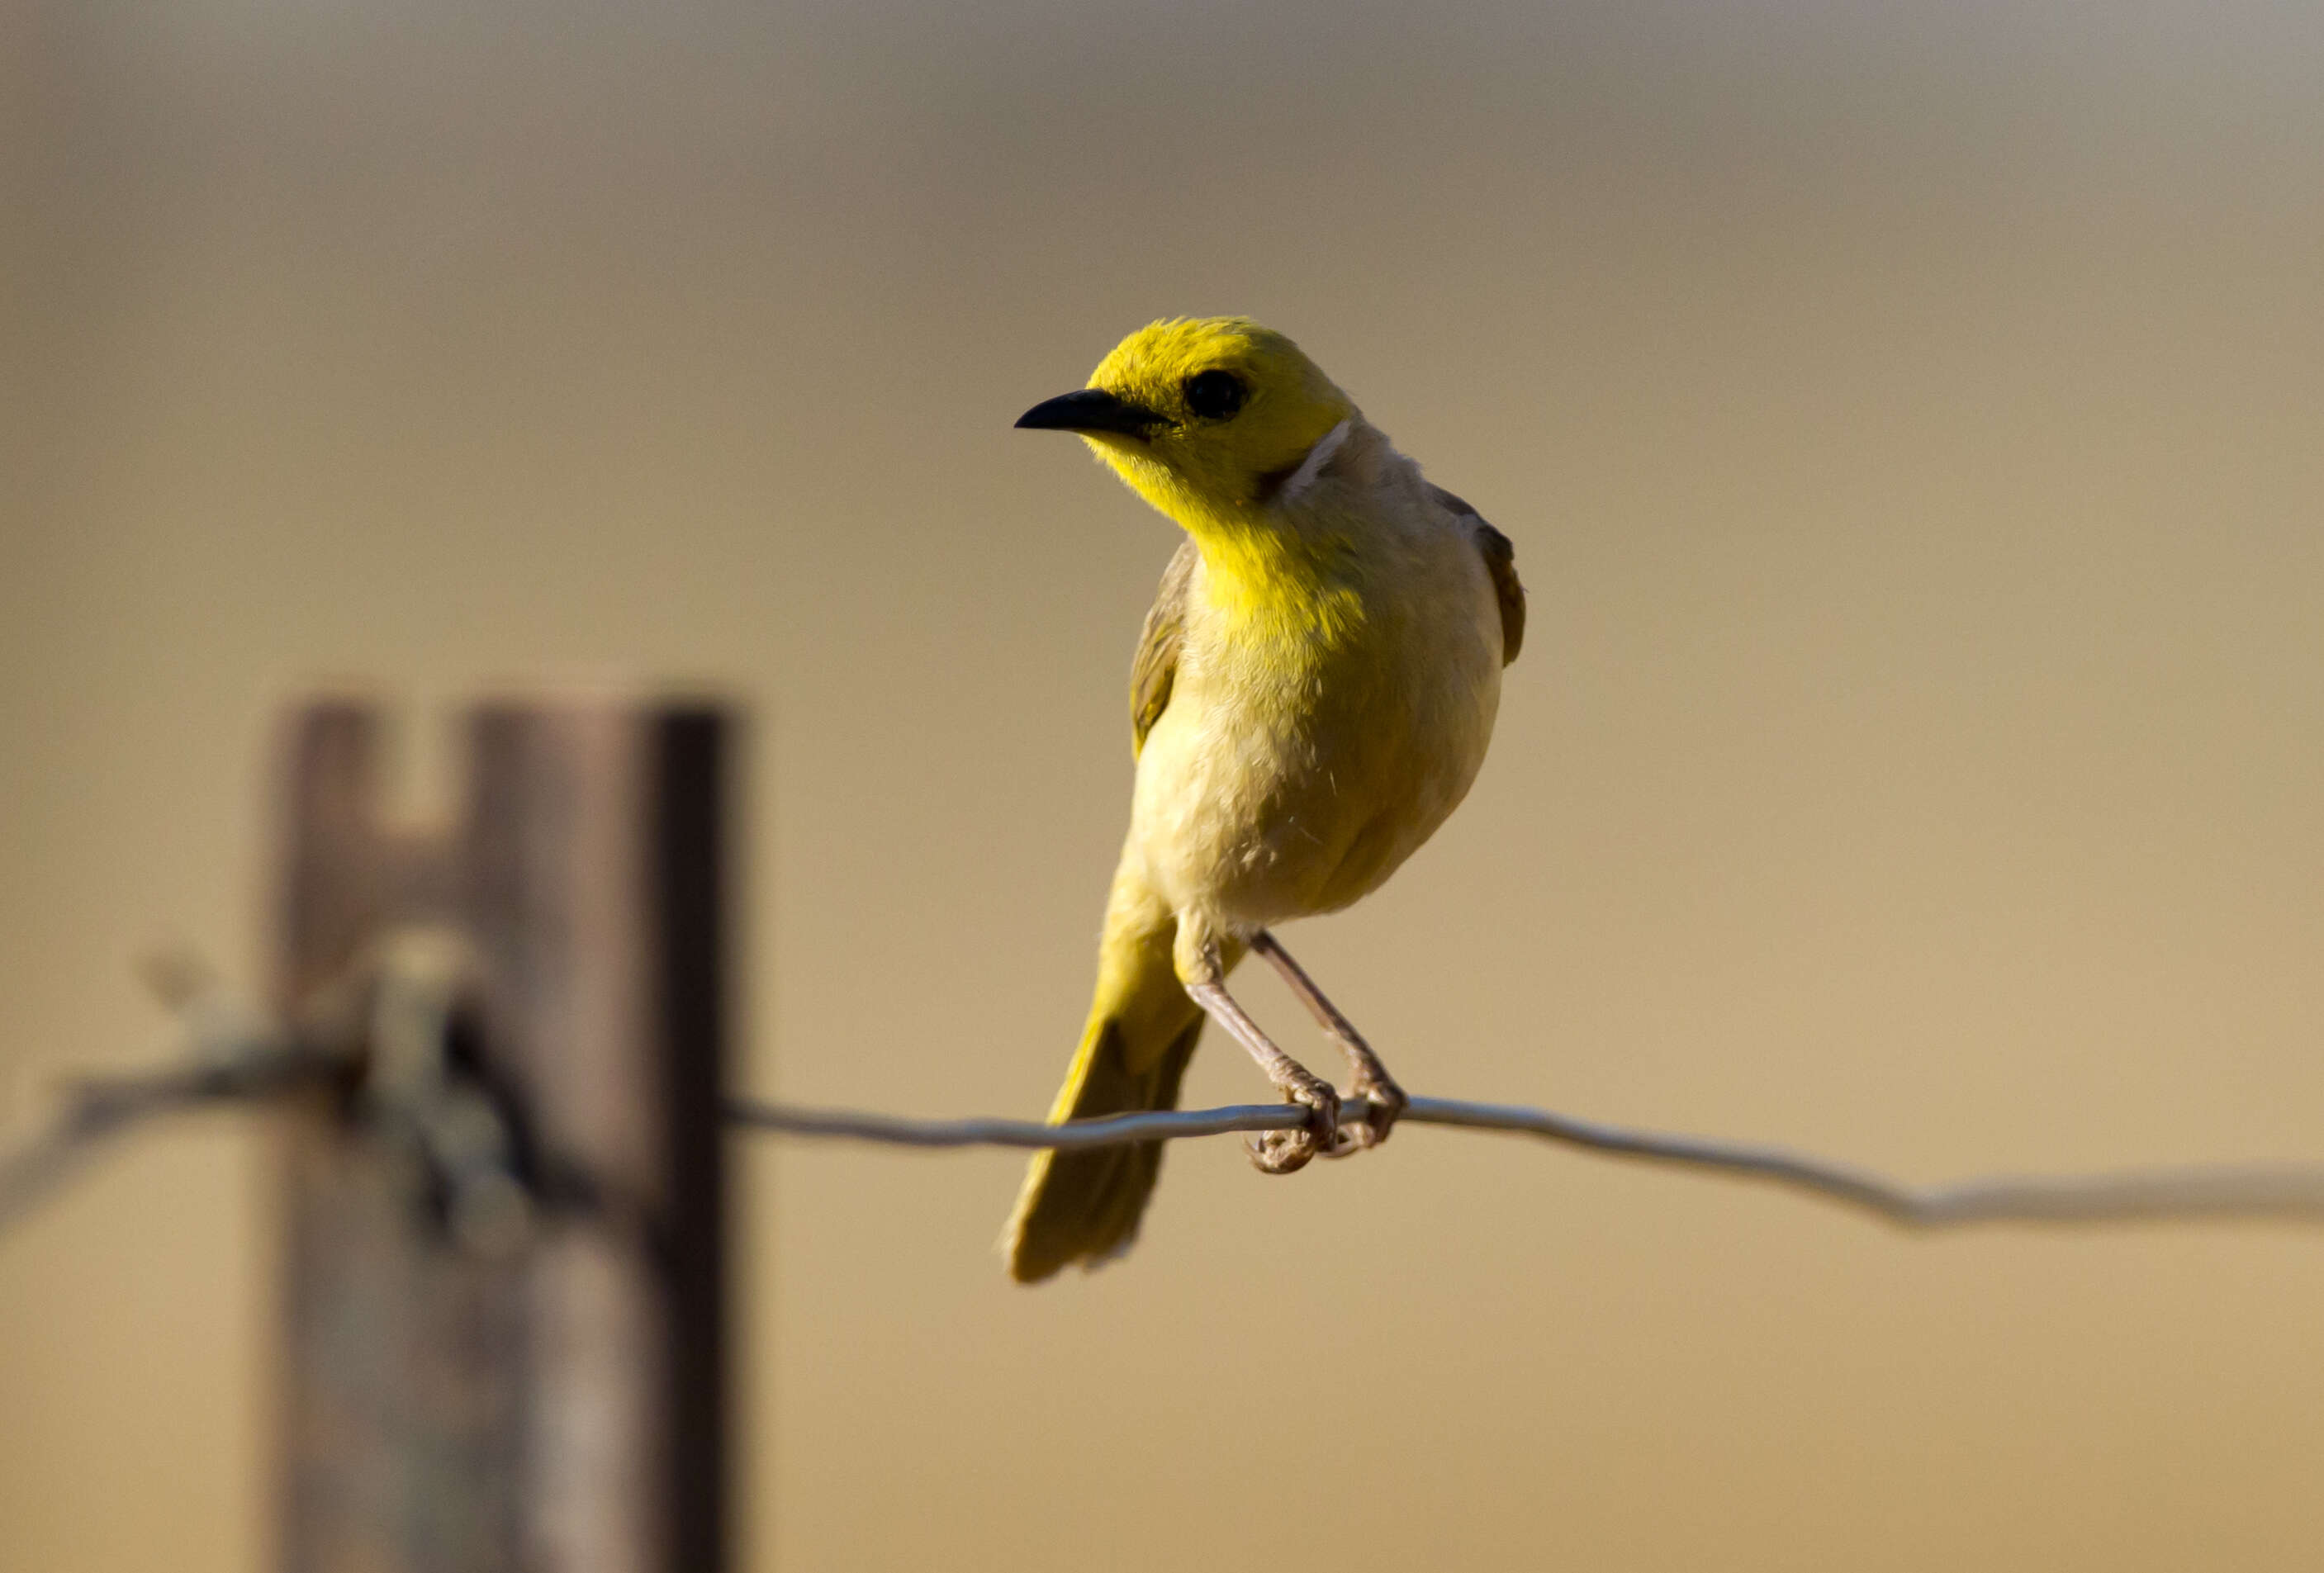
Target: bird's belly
1257	803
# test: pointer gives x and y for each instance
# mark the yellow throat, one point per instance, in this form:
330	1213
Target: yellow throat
1207	418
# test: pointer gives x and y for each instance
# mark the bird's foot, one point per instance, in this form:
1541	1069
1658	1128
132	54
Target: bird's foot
1285	1151
1385	1103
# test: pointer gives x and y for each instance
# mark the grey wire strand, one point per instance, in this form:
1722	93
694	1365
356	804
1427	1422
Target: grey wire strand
99	1109
2285	1192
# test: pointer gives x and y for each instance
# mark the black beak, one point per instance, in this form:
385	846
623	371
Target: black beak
1091	409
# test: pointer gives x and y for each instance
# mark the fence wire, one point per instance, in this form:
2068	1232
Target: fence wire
97	1110
2255	1191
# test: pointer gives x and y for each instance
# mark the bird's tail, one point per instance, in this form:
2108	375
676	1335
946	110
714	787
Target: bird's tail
1084	1206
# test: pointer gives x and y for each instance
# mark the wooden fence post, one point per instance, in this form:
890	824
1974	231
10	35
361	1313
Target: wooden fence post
505	1292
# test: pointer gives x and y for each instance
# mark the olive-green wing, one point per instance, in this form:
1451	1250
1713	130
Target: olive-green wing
1501	563
1156	669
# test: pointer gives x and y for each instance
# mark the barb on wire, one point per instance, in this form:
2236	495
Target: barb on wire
2293	1192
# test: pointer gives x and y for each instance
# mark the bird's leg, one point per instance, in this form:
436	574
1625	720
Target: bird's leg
1370	1080
1278	1152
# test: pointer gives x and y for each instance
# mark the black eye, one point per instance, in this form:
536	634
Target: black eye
1214	395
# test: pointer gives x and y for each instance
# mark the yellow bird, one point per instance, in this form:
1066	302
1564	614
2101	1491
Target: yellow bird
1314	693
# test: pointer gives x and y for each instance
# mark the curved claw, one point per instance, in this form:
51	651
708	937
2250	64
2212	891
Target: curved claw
1285	1152
1388	1100
1281	1152
1385	1103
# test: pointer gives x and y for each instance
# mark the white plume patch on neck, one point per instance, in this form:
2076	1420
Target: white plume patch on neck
1312	466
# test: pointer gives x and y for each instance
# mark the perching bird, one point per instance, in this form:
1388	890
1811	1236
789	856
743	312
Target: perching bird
1313	692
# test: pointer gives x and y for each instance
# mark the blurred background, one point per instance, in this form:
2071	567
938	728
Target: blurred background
1910	422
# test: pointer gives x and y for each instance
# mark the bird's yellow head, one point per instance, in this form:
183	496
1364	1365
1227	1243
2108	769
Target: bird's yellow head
1205	418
